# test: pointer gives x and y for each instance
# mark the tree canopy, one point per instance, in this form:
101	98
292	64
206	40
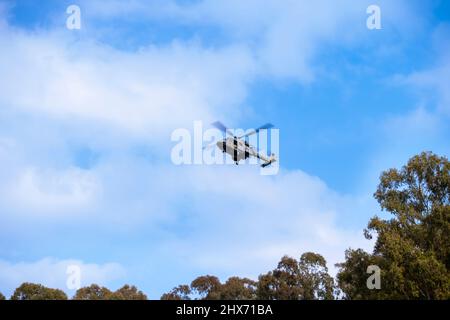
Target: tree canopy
306	278
128	292
210	288
32	291
182	292
412	248
93	292
96	292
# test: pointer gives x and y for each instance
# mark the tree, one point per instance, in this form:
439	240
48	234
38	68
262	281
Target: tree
314	277
32	291
128	293
281	283
93	292
352	278
207	287
2	297
181	292
412	248
236	288
210	288
307	278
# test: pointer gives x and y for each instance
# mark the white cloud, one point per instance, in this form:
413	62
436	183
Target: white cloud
52	273
432	83
145	93
438	80
417	122
52	191
238	222
425	126
284	35
150	91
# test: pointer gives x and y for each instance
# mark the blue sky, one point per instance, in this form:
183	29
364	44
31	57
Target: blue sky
86	117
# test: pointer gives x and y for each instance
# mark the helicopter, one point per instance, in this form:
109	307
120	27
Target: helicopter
238	148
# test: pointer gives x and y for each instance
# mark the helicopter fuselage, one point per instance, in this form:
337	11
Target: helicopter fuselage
238	149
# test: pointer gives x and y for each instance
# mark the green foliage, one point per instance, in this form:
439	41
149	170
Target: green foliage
93	292
353	275
128	293
181	292
314	277
96	292
207	287
307	278
281	283
210	288
2	297
32	291
238	289
412	248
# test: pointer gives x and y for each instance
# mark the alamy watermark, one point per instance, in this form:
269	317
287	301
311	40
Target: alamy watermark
73	281
374	20
374	280
73	22
213	147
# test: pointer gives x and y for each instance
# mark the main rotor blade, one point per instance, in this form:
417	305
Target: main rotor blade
266	126
219	125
